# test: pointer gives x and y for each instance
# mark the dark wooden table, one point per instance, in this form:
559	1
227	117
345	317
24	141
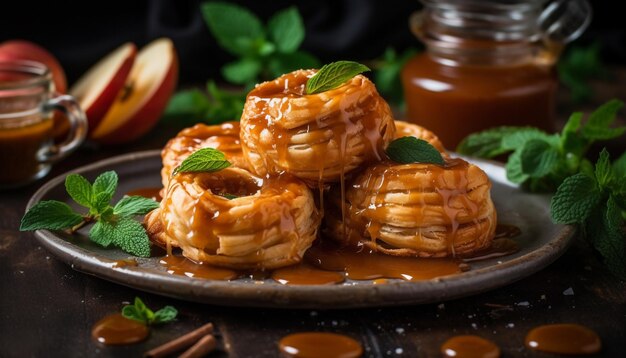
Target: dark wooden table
47	309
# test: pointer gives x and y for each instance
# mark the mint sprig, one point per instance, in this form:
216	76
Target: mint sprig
140	312
541	161
203	160
113	225
597	203
334	75
408	150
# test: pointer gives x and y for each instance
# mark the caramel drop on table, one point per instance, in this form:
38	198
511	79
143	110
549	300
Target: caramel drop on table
116	330
470	346
319	344
564	339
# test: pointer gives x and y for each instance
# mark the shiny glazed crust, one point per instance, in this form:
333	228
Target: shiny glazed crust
224	137
416	210
270	224
318	137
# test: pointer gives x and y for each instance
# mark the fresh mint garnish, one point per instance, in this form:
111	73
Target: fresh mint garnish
407	150
541	161
286	30
334	75
140	312
597	203
203	160
113	225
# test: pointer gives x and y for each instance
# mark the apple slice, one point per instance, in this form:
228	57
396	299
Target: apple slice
139	104
97	89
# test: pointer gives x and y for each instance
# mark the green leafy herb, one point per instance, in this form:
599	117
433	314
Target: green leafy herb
541	161
140	312
229	196
407	150
334	75
203	160
114	225
597	203
577	67
387	71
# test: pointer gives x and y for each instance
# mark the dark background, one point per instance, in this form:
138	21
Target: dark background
335	29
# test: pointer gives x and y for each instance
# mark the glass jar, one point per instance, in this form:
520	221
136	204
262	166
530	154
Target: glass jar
488	63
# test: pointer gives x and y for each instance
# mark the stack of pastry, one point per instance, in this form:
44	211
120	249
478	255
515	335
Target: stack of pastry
261	213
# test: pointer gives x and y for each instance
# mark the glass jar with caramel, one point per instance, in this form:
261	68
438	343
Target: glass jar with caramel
488	63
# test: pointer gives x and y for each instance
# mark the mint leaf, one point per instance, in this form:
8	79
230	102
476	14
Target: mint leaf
519	138
234	27
574	200
603	170
130	236
242	71
607	235
412	150
486	144
187	108
105	183
79	189
101	233
514	172
100	203
619	166
286	29
229	196
225	106
571	140
334	75
538	158
282	63
165	314
203	160
131	312
144	310
597	126
387	74
50	215
134	205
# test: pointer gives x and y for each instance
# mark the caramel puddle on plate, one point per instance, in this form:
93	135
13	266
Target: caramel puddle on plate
304	274
117	330
564	338
319	344
179	265
470	346
150	193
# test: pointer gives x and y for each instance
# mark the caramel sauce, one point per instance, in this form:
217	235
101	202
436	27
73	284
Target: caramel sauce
303	274
454	101
150	193
319	344
178	265
470	346
564	338
125	263
117	330
366	265
19	149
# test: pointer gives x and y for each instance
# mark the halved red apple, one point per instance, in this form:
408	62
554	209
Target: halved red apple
141	102
97	89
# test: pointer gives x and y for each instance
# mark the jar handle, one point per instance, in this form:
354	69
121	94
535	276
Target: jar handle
78	128
563	21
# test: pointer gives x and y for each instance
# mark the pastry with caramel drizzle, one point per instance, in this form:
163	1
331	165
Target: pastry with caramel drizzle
224	137
319	137
234	219
423	210
405	129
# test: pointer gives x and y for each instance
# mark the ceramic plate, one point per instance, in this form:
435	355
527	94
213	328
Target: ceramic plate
541	243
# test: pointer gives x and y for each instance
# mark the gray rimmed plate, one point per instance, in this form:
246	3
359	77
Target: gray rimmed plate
541	242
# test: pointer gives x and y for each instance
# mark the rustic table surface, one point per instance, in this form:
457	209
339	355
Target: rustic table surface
47	309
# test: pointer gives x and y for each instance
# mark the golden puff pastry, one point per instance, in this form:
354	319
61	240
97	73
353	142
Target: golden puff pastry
404	129
224	137
269	223
317	137
420	210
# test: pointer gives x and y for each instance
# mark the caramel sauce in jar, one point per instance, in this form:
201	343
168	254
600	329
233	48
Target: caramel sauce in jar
564	338
118	330
319	344
455	101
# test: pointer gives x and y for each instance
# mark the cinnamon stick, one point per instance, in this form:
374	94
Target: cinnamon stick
205	345
180	342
